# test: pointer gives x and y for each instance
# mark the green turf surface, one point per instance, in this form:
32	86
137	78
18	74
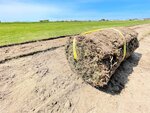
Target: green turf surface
20	32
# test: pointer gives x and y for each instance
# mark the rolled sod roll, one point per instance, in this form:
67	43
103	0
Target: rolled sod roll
96	55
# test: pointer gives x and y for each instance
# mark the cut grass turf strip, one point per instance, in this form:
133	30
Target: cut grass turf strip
21	32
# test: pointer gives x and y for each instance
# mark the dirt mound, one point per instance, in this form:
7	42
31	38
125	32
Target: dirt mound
100	53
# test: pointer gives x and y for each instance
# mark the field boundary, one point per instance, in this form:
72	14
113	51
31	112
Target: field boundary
34	41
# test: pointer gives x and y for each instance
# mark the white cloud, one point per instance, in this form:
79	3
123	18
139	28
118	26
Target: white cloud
19	8
20	11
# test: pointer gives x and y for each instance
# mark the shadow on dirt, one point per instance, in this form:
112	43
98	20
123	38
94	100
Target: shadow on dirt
120	77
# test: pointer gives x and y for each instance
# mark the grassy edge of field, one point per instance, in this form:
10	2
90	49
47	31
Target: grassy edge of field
11	33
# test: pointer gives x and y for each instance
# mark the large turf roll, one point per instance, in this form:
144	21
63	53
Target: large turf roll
100	53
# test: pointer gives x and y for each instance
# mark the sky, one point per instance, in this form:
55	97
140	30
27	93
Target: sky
35	10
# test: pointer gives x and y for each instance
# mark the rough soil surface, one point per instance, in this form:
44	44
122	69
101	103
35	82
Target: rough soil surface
13	52
38	82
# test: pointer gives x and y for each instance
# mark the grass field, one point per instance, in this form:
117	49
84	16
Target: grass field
21	32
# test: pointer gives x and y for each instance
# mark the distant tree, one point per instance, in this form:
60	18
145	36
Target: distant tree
104	20
133	19
146	18
44	21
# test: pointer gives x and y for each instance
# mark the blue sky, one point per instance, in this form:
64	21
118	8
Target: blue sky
34	10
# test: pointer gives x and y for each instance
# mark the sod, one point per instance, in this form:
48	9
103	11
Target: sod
100	53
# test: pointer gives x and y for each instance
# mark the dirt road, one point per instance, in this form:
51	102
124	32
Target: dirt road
36	78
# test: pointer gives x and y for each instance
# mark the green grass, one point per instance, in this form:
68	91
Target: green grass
21	32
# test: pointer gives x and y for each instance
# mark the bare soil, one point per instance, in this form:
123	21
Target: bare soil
36	78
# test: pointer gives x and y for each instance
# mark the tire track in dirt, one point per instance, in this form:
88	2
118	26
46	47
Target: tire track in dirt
30	54
18	51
